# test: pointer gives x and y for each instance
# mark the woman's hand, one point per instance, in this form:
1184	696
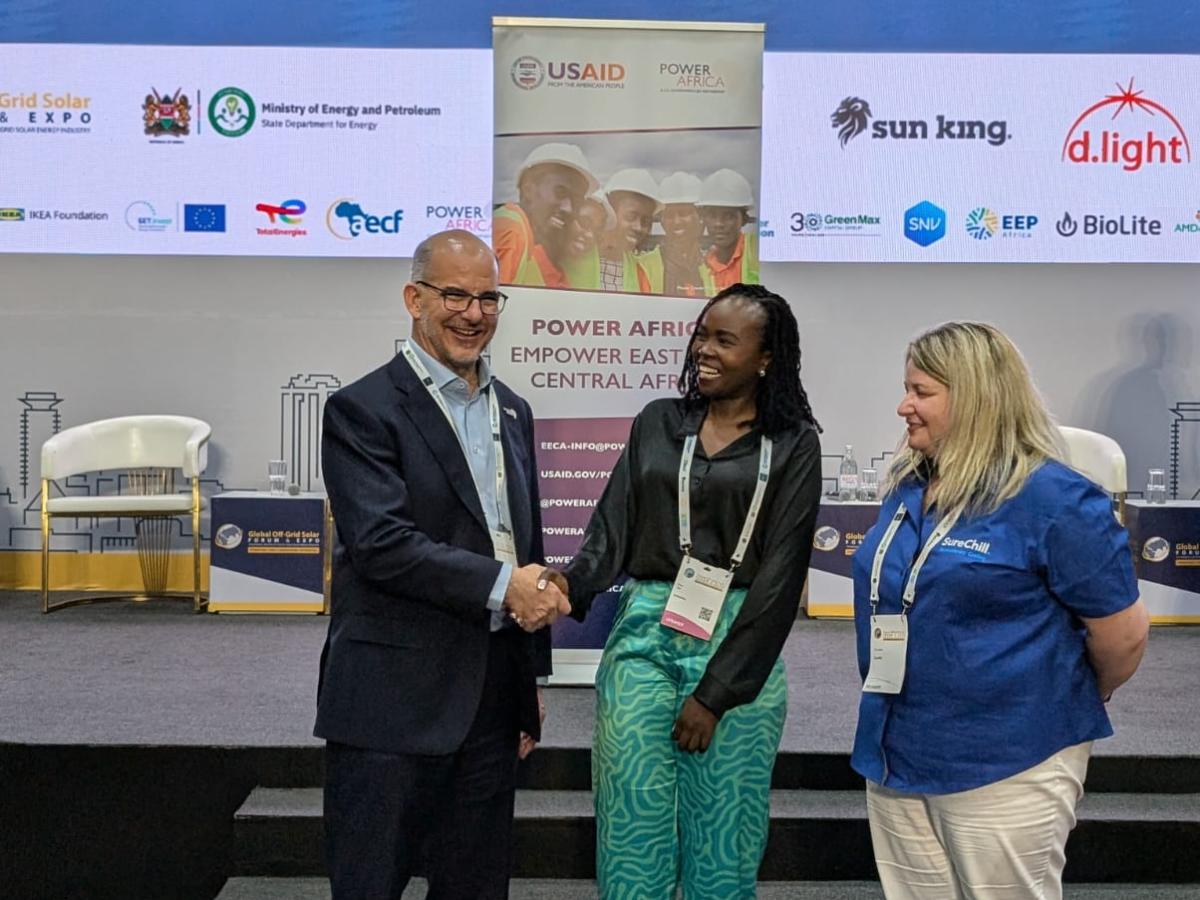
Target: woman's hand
555	577
695	726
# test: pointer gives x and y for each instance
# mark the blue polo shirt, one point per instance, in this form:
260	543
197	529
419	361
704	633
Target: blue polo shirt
997	675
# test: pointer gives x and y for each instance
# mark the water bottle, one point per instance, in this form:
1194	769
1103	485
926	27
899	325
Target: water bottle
848	476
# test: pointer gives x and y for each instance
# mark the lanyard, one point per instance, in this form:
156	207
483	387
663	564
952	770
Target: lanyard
493	417
910	586
685	498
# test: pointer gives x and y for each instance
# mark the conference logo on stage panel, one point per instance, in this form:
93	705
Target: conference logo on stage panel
231	112
346	220
1139	132
228	536
141	216
529	72
826	538
925	223
45	112
468	217
983	224
167	115
284	219
854	117
1106	225
841	224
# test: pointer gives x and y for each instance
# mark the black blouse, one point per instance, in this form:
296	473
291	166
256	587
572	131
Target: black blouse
635	530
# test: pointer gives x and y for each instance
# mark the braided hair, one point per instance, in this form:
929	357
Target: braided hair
780	399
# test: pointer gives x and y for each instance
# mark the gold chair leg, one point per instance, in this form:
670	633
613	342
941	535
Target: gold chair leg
196	544
45	548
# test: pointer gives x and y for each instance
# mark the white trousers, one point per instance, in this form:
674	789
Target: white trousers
1002	841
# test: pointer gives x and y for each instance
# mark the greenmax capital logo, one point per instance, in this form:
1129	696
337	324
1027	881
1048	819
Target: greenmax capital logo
231	112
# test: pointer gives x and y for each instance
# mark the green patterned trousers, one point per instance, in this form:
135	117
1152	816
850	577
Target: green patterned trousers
666	818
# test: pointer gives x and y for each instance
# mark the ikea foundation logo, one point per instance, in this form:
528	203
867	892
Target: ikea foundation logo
925	223
12	214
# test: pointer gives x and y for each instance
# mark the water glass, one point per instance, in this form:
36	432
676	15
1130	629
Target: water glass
1156	486
277	472
868	485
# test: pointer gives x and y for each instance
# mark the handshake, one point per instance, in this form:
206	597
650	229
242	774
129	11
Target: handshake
536	597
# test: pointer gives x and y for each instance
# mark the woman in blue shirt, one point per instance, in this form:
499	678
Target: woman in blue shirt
996	611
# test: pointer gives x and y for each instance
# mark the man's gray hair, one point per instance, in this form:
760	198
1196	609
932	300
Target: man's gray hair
422	257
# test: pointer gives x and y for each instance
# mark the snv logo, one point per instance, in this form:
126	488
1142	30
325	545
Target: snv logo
925	223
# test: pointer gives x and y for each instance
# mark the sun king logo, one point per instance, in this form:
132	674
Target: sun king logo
853	115
1085	144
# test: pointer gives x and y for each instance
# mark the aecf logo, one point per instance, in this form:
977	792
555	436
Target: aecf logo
1095	137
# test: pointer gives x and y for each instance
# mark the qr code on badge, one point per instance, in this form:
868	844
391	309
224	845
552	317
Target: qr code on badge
705	614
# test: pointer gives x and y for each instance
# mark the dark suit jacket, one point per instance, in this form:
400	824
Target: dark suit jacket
403	665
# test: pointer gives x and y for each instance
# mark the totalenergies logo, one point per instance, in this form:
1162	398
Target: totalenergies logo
1137	132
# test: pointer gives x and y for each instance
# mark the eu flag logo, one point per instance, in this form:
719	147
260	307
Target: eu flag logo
204	217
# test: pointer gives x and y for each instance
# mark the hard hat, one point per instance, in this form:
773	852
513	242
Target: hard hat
726	187
569	155
679	187
610	217
635	181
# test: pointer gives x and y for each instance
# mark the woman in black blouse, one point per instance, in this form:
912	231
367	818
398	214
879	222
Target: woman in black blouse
691	692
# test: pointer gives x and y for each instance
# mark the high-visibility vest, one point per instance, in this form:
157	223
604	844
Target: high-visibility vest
528	271
749	273
648	271
583	272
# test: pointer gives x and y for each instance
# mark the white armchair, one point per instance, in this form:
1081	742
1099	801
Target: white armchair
152	448
1100	458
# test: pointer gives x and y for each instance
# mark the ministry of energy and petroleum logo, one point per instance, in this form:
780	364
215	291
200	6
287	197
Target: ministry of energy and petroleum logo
1129	130
231	112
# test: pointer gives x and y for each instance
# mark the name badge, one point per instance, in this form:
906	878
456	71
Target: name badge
889	653
503	547
696	598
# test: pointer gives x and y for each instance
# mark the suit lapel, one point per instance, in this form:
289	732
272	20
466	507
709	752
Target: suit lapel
438	434
515	462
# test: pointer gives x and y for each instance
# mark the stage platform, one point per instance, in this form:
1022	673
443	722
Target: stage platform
133	737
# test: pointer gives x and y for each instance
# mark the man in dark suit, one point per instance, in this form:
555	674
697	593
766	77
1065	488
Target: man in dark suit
428	677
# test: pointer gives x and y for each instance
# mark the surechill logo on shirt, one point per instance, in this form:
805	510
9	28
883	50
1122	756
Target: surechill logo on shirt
968	547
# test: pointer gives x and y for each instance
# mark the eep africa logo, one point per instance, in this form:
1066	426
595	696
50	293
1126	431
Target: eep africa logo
1095	137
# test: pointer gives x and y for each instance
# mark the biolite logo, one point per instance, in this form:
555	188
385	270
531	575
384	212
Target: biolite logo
925	223
1139	132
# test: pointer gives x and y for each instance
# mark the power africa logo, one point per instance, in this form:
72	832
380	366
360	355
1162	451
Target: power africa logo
1095	137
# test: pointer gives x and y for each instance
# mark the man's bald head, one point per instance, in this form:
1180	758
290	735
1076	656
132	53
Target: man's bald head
456	242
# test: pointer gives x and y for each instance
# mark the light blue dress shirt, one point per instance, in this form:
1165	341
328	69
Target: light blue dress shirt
474	430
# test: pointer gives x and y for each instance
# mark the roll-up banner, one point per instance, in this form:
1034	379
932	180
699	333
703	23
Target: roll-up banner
626	192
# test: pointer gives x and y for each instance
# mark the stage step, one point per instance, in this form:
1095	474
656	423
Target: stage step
815	836
562	889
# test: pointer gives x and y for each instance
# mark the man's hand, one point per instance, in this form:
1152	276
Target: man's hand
695	726
533	602
528	743
553	576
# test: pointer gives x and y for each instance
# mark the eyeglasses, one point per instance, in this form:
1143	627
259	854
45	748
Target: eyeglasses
458	300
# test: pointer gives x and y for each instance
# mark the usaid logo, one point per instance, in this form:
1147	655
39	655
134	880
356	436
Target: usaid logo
925	223
527	72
